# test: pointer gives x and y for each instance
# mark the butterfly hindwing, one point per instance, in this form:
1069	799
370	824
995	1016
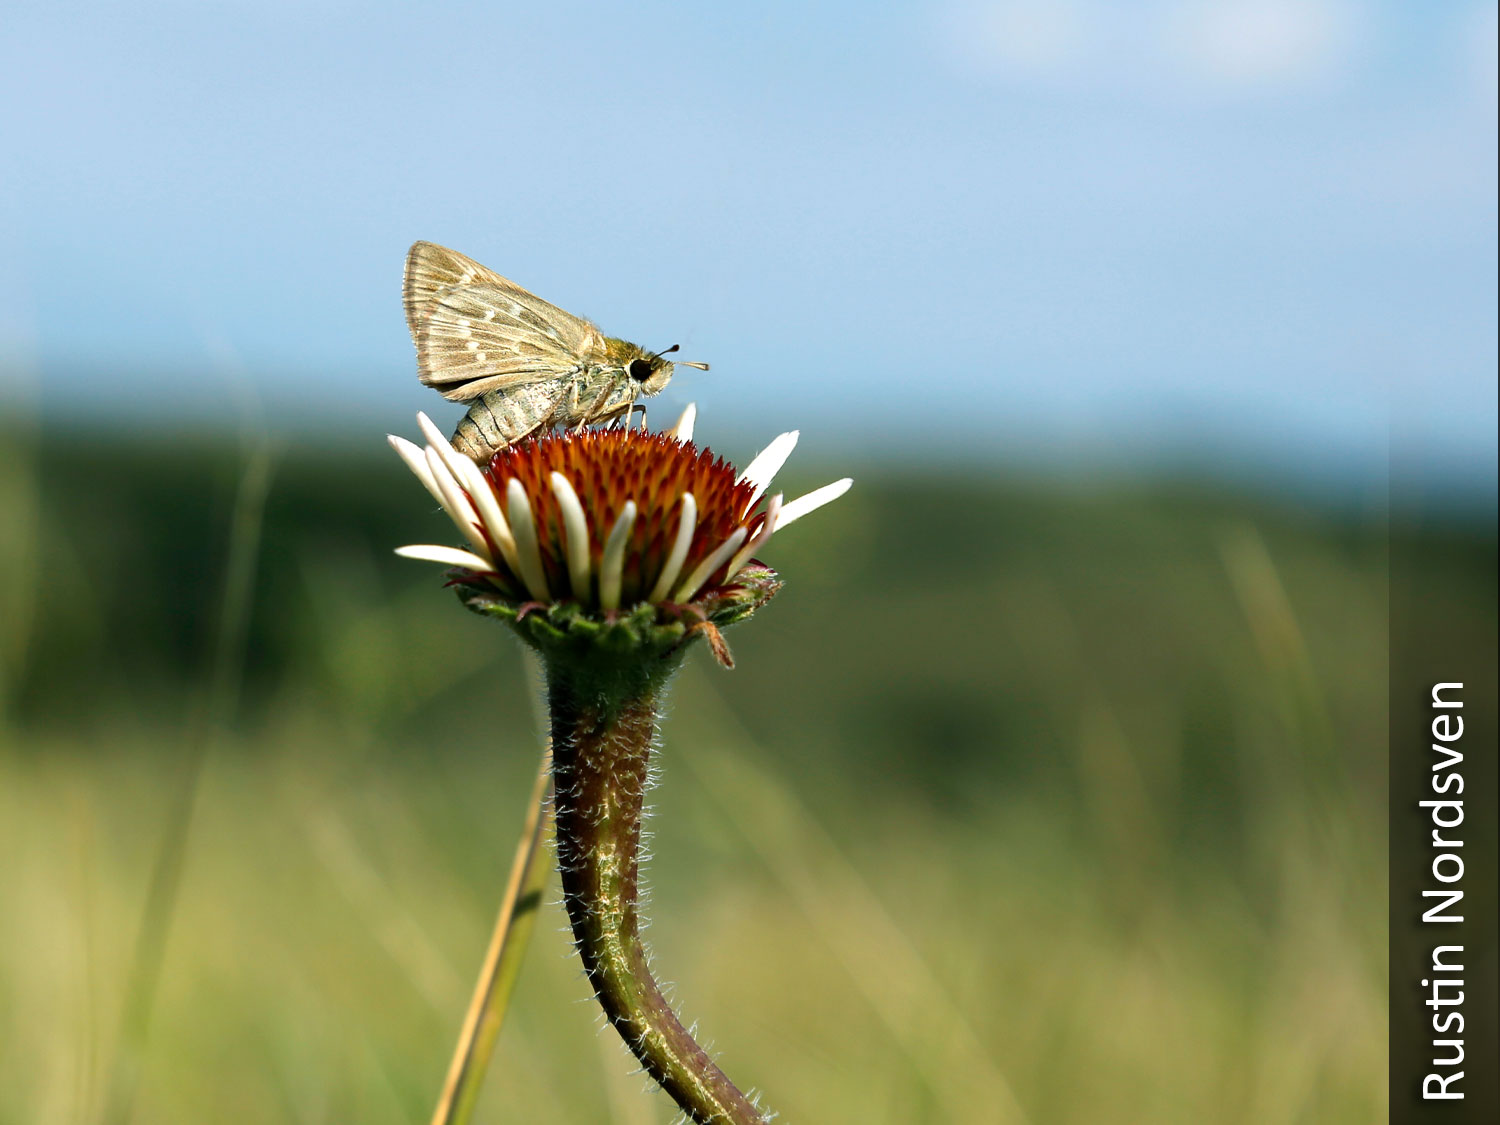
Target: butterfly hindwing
482	337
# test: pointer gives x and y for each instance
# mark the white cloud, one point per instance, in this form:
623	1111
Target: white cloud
1171	47
1023	40
1260	42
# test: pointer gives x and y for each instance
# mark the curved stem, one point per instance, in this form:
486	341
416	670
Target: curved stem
601	747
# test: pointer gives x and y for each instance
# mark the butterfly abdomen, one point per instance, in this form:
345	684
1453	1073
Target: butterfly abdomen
473	442
500	418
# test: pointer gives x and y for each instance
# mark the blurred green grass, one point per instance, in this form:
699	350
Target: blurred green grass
1025	803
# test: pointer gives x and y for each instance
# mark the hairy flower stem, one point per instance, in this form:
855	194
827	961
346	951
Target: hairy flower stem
603	724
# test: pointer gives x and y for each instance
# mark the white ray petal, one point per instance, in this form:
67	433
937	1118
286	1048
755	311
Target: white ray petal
448	556
612	565
767	463
705	570
442	480
773	513
431	432
490	514
416	461
683	431
678	554
528	552
456	504
451	457
814	500
575	535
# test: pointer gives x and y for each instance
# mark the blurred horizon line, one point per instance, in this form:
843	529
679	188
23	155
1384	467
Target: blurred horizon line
1361	468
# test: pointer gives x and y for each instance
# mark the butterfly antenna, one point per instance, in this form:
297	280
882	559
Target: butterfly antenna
681	362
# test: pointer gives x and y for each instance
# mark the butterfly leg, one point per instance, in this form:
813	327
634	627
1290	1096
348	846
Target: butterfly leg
576	409
623	415
593	414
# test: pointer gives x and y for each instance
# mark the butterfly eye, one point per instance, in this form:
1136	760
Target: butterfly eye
639	370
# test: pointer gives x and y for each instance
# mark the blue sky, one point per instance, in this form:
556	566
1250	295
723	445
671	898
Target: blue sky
1262	227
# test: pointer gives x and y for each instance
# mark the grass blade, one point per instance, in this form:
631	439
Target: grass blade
502	962
223	698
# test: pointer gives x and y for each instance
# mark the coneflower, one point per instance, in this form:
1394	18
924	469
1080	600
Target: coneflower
610	552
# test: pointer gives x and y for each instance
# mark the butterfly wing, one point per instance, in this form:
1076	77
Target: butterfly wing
431	271
481	337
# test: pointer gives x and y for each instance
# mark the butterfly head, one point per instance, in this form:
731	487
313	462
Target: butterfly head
650	371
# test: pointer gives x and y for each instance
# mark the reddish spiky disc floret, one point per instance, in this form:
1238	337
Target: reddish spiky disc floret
607	468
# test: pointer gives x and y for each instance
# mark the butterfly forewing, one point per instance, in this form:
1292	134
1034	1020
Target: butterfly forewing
478	338
431	271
